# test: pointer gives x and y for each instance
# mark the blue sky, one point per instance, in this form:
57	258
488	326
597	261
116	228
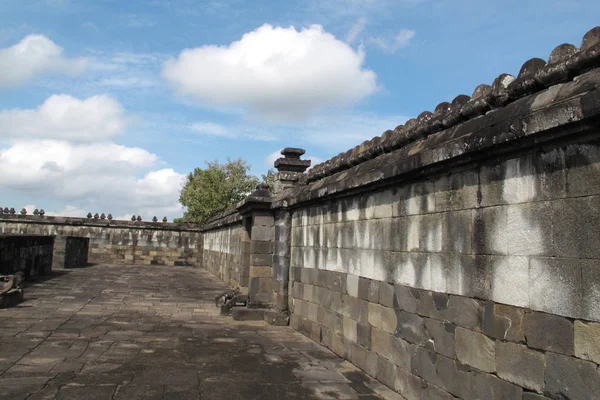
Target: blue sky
103	109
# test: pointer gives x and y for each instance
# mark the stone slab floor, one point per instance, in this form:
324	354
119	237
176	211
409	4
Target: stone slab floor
141	332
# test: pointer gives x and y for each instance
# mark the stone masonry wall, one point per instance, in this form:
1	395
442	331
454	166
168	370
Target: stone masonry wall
120	242
31	255
482	283
222	254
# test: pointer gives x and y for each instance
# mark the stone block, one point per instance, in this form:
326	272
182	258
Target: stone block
432	392
461	311
576	227
424	364
312	311
529	229
262	233
373	296
475	349
363	332
363	288
404	299
549	332
389	320
510	280
408	385
386	294
442	337
261	272
489	387
503	322
263	220
350	329
591	290
411	328
556	286
386	371
519	365
371	363
400	352
587	341
571	378
453	377
375	315
457	231
380	342
456	191
534	396
489	231
257	247
352	285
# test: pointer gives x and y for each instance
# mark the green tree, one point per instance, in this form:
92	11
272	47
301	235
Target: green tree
210	191
269	178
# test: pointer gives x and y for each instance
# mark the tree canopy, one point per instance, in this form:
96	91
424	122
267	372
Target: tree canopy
216	188
210	191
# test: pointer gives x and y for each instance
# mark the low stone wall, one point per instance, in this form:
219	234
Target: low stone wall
119	242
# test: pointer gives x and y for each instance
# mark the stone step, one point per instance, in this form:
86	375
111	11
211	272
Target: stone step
272	317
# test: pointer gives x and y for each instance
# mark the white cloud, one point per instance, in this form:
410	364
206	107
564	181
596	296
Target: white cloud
278	73
212	129
32	57
401	40
68	211
356	30
65	117
99	177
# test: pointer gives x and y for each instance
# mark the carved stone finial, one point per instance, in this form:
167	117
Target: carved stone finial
36	211
133	218
102	216
291	161
23	211
154	219
12	210
139	218
110	217
561	52
6	211
591	38
1	210
89	215
96	216
42	212
165	219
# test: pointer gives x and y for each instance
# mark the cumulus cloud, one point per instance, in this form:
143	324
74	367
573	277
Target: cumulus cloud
212	129
278	73
65	117
401	40
101	177
32	57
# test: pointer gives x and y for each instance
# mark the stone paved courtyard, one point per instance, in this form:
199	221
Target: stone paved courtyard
141	332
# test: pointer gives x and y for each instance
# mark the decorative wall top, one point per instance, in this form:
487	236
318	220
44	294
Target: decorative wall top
565	63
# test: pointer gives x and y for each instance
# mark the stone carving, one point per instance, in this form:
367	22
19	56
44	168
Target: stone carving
139	218
154	219
10	289
165	219
6	210
96	216
42	212
23	211
89	215
12	210
133	218
102	216
36	211
110	217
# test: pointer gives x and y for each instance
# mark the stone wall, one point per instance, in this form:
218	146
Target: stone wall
31	255
119	242
456	256
223	253
481	283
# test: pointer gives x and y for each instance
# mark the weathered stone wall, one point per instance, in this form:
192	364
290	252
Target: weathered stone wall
456	256
31	255
222	254
119	242
461	284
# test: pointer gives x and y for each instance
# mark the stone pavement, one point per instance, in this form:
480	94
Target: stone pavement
141	332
